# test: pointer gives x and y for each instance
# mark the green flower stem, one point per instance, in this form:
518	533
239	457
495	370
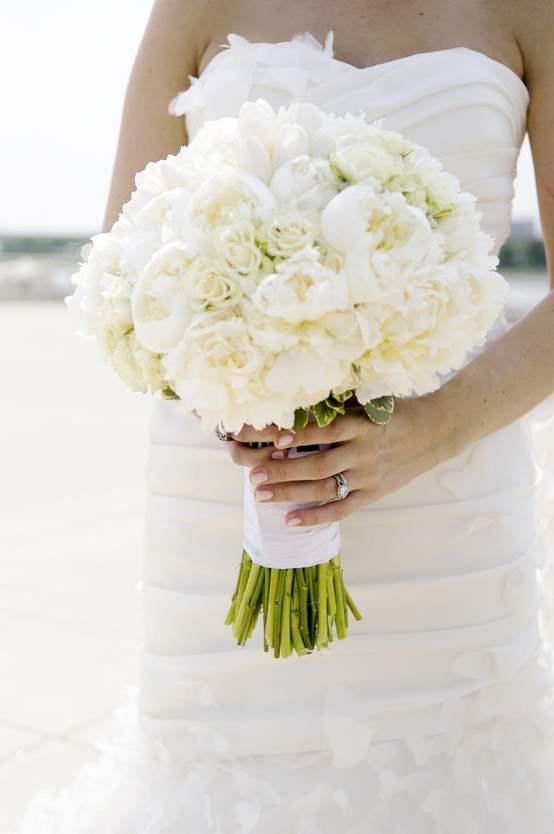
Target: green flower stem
267	584
331	597
302	608
246	603
351	605
277	602
286	608
302	586
341	619
322	632
273	584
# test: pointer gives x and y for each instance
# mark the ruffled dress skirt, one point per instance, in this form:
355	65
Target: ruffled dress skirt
434	716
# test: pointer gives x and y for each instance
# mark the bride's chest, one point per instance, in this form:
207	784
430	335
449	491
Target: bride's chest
369	32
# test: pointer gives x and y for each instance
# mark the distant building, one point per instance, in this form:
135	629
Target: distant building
524	228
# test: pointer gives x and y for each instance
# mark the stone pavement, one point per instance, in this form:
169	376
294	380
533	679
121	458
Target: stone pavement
73	444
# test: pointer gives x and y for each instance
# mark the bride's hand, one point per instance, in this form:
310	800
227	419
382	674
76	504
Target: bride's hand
375	460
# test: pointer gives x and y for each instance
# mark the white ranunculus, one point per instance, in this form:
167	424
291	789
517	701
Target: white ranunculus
161	310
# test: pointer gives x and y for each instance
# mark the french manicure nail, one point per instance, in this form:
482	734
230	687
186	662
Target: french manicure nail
284	440
294	521
258	477
263	494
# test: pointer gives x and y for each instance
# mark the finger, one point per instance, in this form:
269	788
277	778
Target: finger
302	492
326	513
313	467
244	455
270	434
342	428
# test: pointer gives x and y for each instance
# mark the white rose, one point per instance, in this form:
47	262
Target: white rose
161	310
356	160
289	232
208	288
237	249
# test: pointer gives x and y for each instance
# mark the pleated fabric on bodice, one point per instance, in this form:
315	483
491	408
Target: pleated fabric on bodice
467	108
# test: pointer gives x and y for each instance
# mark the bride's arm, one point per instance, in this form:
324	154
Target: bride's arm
171	48
513	375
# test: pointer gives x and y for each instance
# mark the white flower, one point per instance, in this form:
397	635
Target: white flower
258	120
140	369
236	249
161	310
358	159
301	289
290	232
227	196
209	288
216	371
283	255
305	184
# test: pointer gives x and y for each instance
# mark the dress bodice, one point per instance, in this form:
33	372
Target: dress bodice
467	108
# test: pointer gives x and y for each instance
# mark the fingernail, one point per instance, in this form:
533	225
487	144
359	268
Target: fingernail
276	455
258	477
263	494
294	521
284	440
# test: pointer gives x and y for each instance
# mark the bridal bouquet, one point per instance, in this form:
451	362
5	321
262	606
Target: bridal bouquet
280	264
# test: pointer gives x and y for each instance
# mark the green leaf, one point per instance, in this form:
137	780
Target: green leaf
300	419
169	394
324	413
380	410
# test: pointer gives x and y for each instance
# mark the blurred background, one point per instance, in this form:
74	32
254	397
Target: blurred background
73	439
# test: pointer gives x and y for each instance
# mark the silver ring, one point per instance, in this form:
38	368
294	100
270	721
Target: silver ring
221	434
342	487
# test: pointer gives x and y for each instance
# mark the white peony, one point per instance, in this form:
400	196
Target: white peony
161	310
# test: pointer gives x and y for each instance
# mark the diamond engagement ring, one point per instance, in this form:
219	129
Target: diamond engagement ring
221	434
342	487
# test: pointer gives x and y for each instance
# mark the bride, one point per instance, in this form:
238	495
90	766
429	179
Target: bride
435	716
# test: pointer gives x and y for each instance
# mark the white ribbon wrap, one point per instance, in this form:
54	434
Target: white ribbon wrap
270	543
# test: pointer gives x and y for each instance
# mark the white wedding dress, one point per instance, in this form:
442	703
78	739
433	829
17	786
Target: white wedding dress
433	716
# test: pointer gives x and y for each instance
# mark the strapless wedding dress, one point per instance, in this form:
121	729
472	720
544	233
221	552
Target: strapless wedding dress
433	717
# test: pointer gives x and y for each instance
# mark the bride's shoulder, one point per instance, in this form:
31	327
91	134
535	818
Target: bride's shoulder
533	23
188	25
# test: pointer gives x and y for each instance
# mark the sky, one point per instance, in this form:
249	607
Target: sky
64	66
